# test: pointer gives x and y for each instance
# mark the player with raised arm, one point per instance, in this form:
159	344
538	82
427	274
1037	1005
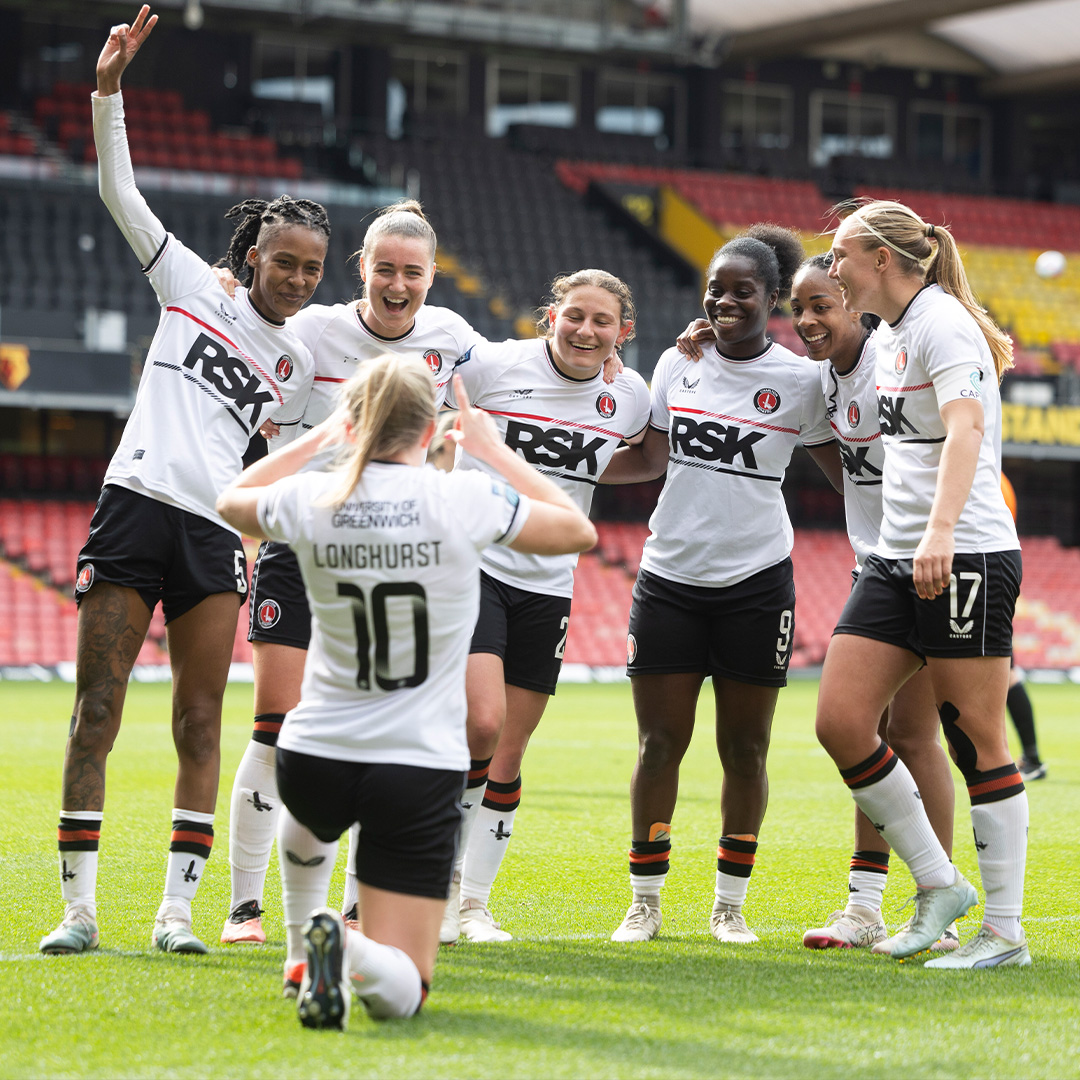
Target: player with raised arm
214	373
389	552
941	584
553	407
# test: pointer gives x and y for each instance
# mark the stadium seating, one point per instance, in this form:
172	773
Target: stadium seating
164	134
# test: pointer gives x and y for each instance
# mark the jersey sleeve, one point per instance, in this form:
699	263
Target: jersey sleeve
642	406
955	358
659	416
471	368
116	180
490	510
279	509
814	426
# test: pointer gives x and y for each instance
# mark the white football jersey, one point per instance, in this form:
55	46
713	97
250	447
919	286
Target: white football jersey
566	428
851	405
391	579
341	341
934	354
732	426
216	369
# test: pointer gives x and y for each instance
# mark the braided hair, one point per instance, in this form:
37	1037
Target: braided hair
257	214
776	253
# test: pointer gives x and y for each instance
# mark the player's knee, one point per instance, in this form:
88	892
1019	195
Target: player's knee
744	756
197	734
93	726
483	728
657	751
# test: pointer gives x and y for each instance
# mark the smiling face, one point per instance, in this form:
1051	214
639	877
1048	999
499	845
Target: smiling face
828	331
737	307
585	329
397	273
858	267
285	268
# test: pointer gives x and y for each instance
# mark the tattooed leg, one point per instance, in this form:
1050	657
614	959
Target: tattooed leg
113	622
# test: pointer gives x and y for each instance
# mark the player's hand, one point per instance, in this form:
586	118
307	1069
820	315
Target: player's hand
124	42
333	431
932	565
612	366
473	430
227	280
692	340
269	430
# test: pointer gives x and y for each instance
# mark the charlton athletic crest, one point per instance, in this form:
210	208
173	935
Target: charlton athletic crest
433	359
901	361
284	367
85	578
269	613
766	400
605	405
631	648
853	414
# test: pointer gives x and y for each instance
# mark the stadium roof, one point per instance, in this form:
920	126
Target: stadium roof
1017	47
1028	46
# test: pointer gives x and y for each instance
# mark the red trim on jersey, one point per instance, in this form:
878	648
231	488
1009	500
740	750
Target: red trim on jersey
737	419
328	378
848	438
217	333
556	420
894	389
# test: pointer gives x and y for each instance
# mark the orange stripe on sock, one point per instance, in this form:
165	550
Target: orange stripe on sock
859	864
268	725
744	857
1012	780
502	796
885	759
656	856
78	834
181	837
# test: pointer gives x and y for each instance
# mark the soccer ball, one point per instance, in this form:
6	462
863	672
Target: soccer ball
1050	264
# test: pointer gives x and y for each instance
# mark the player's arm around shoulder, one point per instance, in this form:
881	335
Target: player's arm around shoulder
645	456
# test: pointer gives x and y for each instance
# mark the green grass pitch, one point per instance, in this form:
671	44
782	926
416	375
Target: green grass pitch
560	1000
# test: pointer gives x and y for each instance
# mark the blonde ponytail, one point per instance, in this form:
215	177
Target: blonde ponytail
390	402
931	252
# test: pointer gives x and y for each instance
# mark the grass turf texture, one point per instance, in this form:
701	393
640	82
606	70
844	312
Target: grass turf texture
560	1000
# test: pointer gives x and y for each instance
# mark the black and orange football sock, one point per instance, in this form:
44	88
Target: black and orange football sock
735	857
886	793
189	848
490	838
78	837
472	798
867	875
650	861
999	818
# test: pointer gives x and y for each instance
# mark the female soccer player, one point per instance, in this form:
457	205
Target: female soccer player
843	344
397	267
389	552
941	584
715	594
214	373
553	407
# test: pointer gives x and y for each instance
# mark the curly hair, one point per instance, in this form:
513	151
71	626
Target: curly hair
257	215
776	252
